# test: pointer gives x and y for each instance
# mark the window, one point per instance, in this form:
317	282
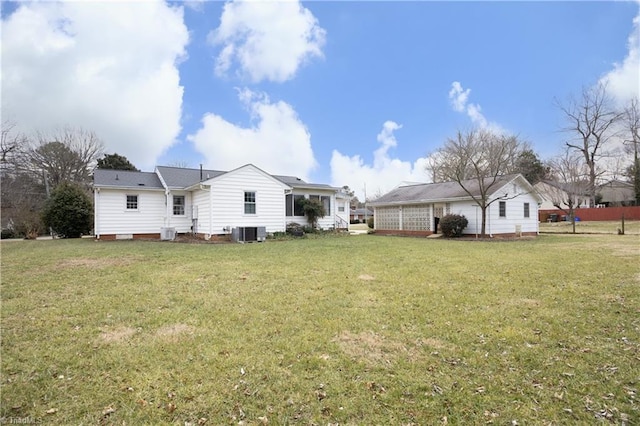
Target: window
526	209
132	202
297	207
249	202
178	205
326	203
503	209
292	206
341	209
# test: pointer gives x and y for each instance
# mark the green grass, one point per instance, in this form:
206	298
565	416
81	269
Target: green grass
352	330
631	227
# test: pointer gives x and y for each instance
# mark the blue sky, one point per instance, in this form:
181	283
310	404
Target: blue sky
345	93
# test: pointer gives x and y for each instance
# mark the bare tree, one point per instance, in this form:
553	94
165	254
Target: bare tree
21	196
181	164
11	142
632	142
67	155
592	122
570	184
476	160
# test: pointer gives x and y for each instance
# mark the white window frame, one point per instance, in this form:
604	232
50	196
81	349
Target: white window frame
253	203
183	205
127	203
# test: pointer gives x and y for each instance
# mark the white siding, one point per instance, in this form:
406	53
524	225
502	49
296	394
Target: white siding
182	223
112	216
496	224
227	197
201	199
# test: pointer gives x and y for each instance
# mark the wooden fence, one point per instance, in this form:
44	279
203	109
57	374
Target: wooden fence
601	214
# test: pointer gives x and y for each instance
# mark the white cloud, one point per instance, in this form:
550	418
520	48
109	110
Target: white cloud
383	175
459	98
107	67
278	142
268	40
623	81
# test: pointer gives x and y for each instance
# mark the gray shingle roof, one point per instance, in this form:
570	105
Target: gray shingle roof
296	182
125	179
429	192
178	177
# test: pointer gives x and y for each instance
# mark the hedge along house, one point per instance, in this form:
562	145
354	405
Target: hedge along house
417	208
206	203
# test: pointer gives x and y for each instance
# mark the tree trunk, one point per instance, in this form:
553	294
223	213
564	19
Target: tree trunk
484	221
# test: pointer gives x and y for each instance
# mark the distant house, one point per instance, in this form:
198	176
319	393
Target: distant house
360	215
616	193
553	193
416	209
206	203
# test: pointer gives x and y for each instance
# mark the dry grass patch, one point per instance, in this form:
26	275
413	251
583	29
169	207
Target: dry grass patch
623	248
174	332
93	263
117	335
370	347
366	277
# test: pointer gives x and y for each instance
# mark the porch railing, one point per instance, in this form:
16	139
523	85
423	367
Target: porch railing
341	223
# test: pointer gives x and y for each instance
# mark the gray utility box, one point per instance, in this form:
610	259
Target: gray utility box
248	234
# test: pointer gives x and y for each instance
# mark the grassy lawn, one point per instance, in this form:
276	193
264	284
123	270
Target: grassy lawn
349	330
631	227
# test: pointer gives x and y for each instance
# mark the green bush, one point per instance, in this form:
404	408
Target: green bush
452	225
295	229
313	210
7	234
69	212
370	222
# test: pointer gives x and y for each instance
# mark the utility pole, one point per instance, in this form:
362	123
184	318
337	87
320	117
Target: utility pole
365	203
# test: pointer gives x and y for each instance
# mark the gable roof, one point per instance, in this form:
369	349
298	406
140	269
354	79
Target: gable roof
575	188
179	177
251	166
107	178
445	191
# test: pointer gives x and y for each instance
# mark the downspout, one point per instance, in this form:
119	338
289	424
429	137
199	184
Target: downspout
96	207
167	218
489	220
210	211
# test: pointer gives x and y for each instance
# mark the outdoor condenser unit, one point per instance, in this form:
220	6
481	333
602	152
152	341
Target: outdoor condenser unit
167	234
247	234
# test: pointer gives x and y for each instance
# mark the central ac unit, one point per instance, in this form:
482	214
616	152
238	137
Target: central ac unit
247	234
167	234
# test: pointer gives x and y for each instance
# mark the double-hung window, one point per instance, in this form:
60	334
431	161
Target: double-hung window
249	202
132	202
503	209
526	209
178	205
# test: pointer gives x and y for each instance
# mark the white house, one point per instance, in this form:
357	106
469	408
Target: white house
207	203
416	209
560	193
